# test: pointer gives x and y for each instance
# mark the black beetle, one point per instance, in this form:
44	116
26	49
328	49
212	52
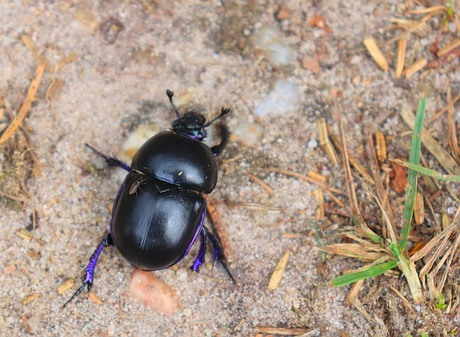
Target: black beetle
159	210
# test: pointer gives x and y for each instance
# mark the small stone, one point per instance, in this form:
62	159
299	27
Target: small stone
9	269
284	97
310	63
153	292
450	210
249	134
312	143
284	13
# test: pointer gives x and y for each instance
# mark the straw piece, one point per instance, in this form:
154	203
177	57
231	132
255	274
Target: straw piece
419	209
18	119
452	130
381	146
416	66
69	283
449	47
376	53
400	58
326	143
279	271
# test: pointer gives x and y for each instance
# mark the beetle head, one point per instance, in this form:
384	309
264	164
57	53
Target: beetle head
192	124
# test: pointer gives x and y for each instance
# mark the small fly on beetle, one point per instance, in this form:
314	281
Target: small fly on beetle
159	210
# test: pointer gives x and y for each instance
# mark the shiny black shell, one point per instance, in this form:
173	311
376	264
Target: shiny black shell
178	160
154	224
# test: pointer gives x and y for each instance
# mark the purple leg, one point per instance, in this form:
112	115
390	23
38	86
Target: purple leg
202	252
88	280
218	253
110	160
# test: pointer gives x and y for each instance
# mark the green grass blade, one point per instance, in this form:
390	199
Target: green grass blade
414	158
372	271
429	172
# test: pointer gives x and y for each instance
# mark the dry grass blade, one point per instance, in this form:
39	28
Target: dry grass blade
355	163
259	181
414	67
358	251
435	241
282	331
387	220
23	111
444	158
452	252
33	49
278	273
303	177
401	56
404	300
443	110
326	143
376	53
429	10
380	190
352	295
452	130
449	47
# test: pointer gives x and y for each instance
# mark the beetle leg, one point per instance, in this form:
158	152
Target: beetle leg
224	133
89	277
202	251
218	253
111	161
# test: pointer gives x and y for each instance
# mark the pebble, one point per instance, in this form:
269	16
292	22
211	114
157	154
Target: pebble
272	42
450	210
153	292
249	134
285	97
312	143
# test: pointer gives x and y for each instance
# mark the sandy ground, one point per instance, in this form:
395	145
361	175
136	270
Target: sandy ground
208	54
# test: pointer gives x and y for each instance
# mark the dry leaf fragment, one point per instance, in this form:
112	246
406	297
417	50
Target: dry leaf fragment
279	271
318	21
376	53
398	177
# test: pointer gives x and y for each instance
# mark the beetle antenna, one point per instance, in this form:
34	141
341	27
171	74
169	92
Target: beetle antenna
223	112
170	95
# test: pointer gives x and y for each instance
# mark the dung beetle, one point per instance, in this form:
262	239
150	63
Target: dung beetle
159	210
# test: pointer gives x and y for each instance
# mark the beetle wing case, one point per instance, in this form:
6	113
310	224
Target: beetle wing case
155	226
178	160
